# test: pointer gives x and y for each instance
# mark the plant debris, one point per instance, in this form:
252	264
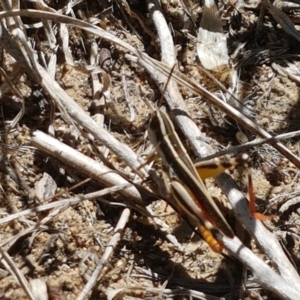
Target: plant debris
80	213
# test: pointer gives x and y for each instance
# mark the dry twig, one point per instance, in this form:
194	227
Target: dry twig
286	283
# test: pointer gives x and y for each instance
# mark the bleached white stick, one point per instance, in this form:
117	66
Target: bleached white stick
107	253
81	163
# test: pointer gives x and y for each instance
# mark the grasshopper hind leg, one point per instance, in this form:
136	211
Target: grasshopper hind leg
212	238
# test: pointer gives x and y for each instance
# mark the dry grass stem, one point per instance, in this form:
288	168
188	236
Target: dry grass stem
118	231
83	82
64	203
16	272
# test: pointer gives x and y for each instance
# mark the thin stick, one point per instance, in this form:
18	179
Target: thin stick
15	271
256	142
107	253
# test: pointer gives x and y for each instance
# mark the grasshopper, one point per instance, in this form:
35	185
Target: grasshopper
189	196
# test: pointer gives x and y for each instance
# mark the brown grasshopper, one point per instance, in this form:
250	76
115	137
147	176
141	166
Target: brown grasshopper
189	196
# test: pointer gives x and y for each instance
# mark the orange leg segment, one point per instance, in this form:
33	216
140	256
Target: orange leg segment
253	213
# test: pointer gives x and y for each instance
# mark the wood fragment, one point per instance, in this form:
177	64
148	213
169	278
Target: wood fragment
212	43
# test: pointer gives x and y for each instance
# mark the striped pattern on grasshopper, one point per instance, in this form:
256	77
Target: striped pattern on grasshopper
189	196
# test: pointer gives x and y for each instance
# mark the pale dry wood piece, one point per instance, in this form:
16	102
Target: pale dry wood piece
51	67
288	204
14	22
212	43
94	60
47	25
107	253
84	267
291	71
101	95
97	87
168	50
94	57
98	172
64	36
39	289
98	101
45	188
168	53
256	142
79	161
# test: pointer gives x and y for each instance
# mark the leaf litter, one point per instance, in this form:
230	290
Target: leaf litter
63	239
